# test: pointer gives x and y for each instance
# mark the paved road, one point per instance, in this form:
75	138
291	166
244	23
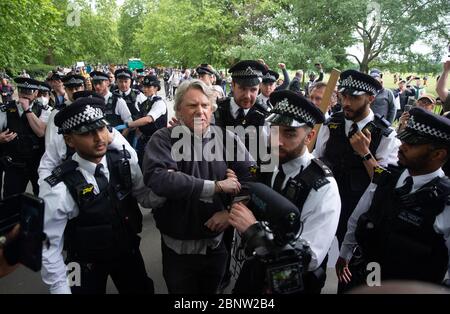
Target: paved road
26	281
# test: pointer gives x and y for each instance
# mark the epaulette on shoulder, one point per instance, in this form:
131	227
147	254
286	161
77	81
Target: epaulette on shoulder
137	91
383	124
261	109
335	120
321	173
157	98
59	172
380	175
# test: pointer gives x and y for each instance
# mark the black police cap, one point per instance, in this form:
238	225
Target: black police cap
83	115
293	110
123	73
27	83
151	80
205	69
73	80
357	83
247	72
425	127
99	76
270	76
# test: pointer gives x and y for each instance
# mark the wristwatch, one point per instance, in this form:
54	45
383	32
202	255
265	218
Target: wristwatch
366	157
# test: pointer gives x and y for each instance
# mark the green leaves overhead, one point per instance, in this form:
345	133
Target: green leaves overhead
189	32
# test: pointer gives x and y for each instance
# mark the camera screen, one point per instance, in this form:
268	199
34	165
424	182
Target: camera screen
286	278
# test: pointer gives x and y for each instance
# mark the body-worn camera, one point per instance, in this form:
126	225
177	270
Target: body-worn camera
28	211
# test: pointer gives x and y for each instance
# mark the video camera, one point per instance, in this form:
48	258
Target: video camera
274	242
28	211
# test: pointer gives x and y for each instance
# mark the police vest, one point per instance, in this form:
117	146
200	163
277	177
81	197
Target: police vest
27	144
255	117
348	169
159	123
397	231
110	111
108	222
130	99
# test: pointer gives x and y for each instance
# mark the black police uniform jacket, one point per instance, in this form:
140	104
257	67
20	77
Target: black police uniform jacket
27	145
108	222
110	111
255	117
397	231
347	167
159	123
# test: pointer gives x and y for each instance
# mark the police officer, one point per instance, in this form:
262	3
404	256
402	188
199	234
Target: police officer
91	200
116	109
132	97
58	95
355	141
208	75
268	86
153	114
23	126
244	109
301	178
402	221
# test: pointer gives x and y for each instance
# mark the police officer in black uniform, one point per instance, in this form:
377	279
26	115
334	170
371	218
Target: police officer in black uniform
402	221
116	109
244	109
303	180
91	198
132	97
354	141
153	112
23	126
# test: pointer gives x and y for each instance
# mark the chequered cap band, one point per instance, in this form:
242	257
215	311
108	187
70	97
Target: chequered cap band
285	108
89	114
26	85
350	82
269	76
74	81
427	130
246	73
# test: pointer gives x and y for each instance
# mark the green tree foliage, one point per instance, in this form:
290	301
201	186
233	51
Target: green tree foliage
189	32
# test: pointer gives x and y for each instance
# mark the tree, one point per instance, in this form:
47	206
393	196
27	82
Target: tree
388	29
130	23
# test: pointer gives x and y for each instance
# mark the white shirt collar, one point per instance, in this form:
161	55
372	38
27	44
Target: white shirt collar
234	108
109	94
419	181
293	167
89	166
126	93
361	124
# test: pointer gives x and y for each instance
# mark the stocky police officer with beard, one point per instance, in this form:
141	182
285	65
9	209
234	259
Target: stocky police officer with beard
305	181
402	221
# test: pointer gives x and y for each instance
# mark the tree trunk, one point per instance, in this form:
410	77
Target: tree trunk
49	57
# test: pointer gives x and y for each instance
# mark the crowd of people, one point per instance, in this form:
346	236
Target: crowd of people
96	144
